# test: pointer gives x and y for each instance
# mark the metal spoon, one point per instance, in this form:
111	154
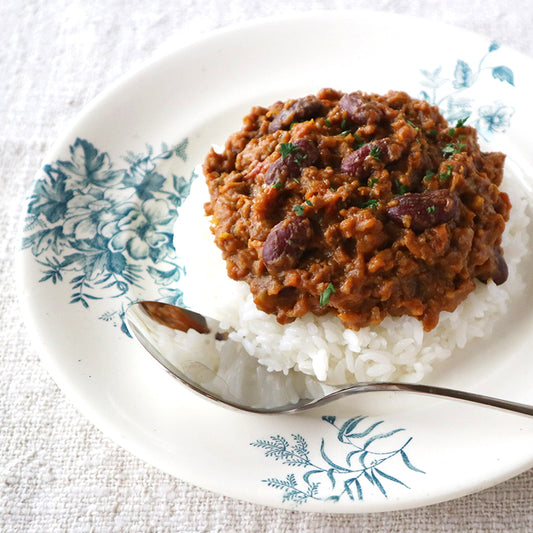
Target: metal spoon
151	321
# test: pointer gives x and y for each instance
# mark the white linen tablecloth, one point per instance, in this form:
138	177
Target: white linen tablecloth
57	472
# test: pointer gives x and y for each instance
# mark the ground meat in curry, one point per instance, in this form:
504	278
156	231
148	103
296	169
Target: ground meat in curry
359	205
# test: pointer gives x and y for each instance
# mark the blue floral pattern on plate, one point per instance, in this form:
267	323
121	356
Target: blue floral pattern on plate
104	228
449	94
363	463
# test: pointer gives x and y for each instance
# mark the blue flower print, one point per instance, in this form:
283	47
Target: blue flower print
108	230
494	118
88	214
139	231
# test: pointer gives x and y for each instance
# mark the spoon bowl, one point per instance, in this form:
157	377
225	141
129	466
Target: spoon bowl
150	321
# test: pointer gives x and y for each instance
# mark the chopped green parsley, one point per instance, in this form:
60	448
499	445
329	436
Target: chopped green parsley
446	175
431	209
372	203
359	141
402	189
461	122
326	294
453	148
287	149
299	209
375	152
345	128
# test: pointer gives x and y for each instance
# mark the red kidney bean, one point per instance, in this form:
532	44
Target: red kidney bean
501	270
286	242
420	211
291	166
353	163
280	171
356	163
309	153
302	109
388	150
359	111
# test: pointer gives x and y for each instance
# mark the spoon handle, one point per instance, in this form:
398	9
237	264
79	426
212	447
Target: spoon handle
434	391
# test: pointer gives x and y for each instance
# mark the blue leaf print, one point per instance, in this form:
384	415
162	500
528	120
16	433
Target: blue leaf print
365	432
464	76
329	461
50	196
172	296
408	463
363	459
327	480
309	473
503	73
279	448
367	473
432	78
53	273
349	426
357	483
181	149
164	277
331	476
389	477
89	166
350	455
453	96
151	184
44	240
182	187
379	436
378	484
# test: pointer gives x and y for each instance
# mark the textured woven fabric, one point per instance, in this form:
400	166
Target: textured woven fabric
57	472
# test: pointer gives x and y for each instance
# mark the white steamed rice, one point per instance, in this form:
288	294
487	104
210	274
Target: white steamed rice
312	353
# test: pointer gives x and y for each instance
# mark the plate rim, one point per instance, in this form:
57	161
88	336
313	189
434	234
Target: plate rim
66	137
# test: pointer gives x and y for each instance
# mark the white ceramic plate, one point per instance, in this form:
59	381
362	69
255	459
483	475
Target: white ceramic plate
98	233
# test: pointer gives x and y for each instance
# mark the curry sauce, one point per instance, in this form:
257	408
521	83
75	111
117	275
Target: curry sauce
356	204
